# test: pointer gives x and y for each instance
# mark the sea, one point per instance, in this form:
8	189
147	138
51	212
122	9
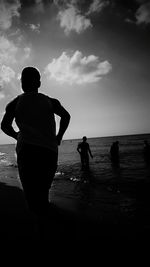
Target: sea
102	192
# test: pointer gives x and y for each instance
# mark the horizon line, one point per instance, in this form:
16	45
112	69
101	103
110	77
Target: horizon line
107	136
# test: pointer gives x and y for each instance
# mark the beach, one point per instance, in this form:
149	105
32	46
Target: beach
67	223
98	205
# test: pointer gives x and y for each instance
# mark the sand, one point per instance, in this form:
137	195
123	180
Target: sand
65	224
18	223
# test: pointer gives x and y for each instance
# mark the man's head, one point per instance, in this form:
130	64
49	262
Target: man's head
84	138
30	79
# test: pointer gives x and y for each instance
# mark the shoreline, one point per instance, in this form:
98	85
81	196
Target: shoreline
73	219
66	223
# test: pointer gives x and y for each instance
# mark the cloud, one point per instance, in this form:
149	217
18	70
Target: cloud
11	56
143	14
97	6
11	53
8	51
74	15
77	69
2	96
26	53
35	27
83	6
8	10
39	7
128	20
6	75
140	12
72	20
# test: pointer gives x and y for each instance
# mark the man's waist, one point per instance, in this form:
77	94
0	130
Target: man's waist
50	143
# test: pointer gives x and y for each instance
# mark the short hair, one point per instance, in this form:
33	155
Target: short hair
29	72
30	78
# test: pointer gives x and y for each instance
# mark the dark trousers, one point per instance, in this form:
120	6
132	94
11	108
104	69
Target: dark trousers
84	160
37	167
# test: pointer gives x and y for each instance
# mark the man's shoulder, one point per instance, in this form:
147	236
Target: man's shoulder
13	102
55	101
51	99
15	98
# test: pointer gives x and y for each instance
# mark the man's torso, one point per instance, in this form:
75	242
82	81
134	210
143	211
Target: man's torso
35	119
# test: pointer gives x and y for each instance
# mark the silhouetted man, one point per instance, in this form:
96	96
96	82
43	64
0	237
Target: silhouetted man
84	151
114	154
37	142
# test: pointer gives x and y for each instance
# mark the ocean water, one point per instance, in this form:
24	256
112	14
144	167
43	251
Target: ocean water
101	192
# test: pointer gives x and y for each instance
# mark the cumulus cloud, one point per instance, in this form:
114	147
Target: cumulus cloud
97	6
8	10
11	55
26	53
77	69
143	13
6	74
74	15
35	27
72	20
8	51
2	96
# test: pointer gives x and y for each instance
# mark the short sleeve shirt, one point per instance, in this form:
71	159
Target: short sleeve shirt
34	116
84	146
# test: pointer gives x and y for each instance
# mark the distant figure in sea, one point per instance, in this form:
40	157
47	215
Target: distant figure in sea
37	142
84	150
114	154
146	152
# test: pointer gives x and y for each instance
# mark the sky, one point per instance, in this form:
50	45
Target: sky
93	56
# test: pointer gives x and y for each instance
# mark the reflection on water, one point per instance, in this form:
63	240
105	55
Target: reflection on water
104	190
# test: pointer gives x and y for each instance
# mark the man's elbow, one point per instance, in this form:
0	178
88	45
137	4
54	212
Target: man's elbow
67	117
4	126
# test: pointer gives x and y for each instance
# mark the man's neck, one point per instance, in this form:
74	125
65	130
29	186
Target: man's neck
31	92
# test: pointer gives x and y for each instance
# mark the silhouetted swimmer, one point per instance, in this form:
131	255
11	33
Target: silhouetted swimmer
114	154
146	152
84	151
37	142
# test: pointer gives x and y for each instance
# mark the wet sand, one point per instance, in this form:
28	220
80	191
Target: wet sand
64	222
68	223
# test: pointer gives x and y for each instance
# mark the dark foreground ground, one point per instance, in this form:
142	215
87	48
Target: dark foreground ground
66	229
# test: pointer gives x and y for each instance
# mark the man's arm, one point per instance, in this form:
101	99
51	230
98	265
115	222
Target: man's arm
90	151
64	119
64	122
79	149
6	123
